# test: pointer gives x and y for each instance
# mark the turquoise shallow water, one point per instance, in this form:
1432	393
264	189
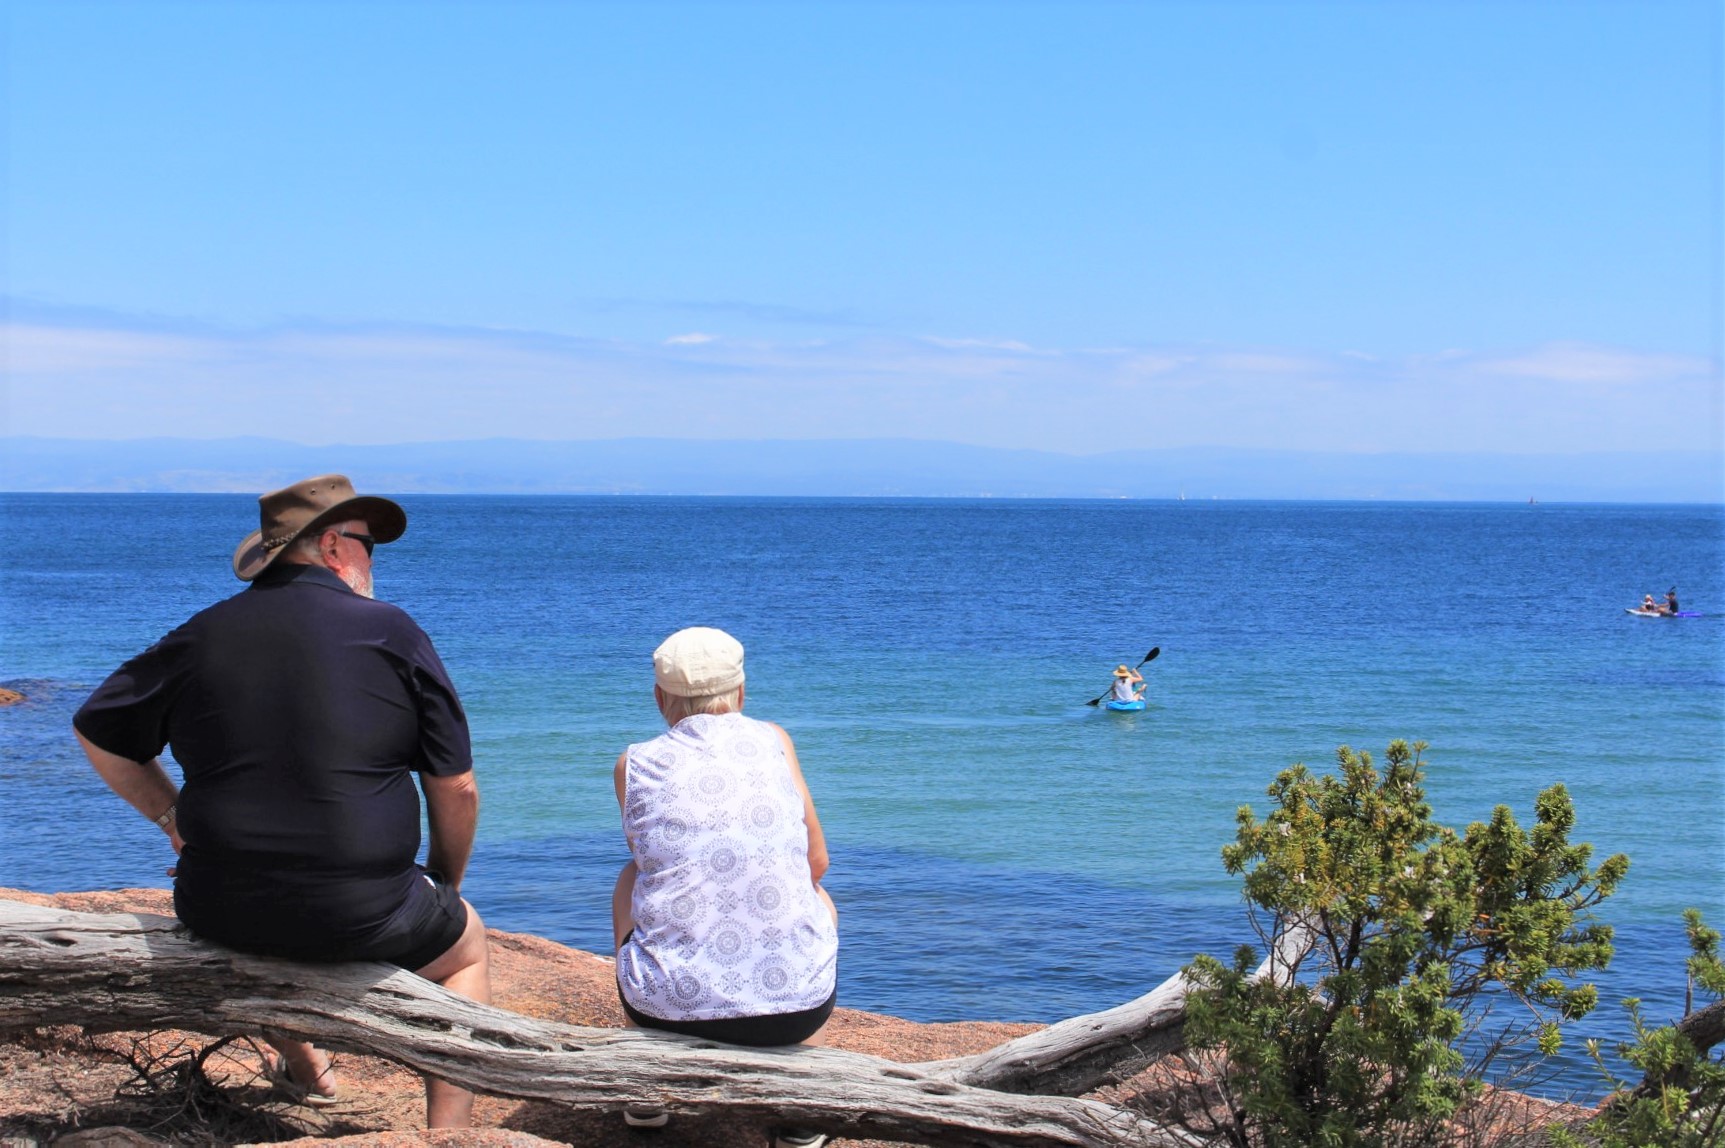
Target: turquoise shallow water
1000	850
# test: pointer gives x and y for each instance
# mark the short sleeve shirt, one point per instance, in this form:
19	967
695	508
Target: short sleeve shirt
298	711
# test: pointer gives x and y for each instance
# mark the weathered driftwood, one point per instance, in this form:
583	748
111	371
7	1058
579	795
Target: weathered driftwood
1084	1052
110	972
1704	1027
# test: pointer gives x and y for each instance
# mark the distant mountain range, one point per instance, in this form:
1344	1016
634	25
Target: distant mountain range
853	467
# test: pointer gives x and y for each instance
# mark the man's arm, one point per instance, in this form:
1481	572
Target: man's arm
144	785
452	809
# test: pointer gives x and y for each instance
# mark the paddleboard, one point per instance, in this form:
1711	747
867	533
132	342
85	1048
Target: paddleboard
1639	613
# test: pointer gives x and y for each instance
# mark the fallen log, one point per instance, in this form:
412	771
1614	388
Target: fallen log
1705	1027
119	972
1085	1052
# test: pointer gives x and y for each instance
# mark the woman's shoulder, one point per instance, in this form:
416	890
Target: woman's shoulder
649	747
756	729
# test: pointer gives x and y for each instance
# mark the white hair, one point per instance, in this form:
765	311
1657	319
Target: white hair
306	545
677	708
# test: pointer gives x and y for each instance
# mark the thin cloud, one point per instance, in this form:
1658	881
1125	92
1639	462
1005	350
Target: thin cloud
1585	363
401	382
775	313
54	350
1012	345
1262	363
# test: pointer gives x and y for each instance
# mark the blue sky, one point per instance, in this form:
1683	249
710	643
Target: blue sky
1073	227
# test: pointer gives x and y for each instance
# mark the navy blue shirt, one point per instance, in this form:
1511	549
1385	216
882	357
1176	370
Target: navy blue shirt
298	711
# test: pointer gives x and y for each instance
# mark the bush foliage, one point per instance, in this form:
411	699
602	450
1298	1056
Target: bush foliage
1680	1100
1415	927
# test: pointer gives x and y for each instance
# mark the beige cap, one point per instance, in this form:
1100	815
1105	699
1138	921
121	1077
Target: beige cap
698	662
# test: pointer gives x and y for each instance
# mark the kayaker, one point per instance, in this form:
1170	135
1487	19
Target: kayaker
1671	600
1124	679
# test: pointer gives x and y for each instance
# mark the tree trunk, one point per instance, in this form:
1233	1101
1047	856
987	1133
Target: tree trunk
1704	1027
141	972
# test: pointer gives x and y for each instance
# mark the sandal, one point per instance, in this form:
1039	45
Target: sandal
277	1073
798	1138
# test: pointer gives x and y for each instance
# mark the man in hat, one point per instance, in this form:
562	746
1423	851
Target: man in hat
299	710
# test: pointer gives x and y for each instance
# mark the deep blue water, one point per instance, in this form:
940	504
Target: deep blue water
1000	850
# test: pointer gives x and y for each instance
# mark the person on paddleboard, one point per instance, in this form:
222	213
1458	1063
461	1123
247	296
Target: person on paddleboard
1648	604
1671	601
1124	679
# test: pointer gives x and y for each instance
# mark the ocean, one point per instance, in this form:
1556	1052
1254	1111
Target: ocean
1000	850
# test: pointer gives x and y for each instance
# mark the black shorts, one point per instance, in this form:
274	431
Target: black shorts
426	928
428	922
755	1031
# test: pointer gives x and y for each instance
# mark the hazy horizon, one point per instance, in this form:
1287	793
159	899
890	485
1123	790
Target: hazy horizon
852	468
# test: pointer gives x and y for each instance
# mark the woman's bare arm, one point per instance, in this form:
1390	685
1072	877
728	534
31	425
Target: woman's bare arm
818	860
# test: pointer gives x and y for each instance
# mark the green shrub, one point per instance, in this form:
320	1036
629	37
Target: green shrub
1680	1101
1414	927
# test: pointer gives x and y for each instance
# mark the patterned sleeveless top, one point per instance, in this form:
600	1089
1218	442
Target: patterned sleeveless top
727	922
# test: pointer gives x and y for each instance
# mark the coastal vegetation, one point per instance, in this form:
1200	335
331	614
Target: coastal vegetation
1435	952
1680	1100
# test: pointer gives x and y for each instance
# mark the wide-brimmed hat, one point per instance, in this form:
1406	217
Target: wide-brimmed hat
1121	671
698	662
284	515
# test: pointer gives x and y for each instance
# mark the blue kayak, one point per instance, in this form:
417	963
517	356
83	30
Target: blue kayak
1125	707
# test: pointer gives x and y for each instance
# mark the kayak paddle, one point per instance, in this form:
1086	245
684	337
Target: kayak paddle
1150	657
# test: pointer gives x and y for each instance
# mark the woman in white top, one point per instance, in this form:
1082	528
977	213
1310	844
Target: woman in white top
723	930
1124	681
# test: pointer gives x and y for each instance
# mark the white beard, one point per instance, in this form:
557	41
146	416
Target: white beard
360	584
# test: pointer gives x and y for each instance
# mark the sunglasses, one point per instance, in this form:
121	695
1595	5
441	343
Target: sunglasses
364	540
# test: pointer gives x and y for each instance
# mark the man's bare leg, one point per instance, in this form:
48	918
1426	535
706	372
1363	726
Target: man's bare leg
464	968
307	1067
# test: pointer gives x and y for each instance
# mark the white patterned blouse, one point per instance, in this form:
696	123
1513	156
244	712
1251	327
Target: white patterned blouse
727	920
